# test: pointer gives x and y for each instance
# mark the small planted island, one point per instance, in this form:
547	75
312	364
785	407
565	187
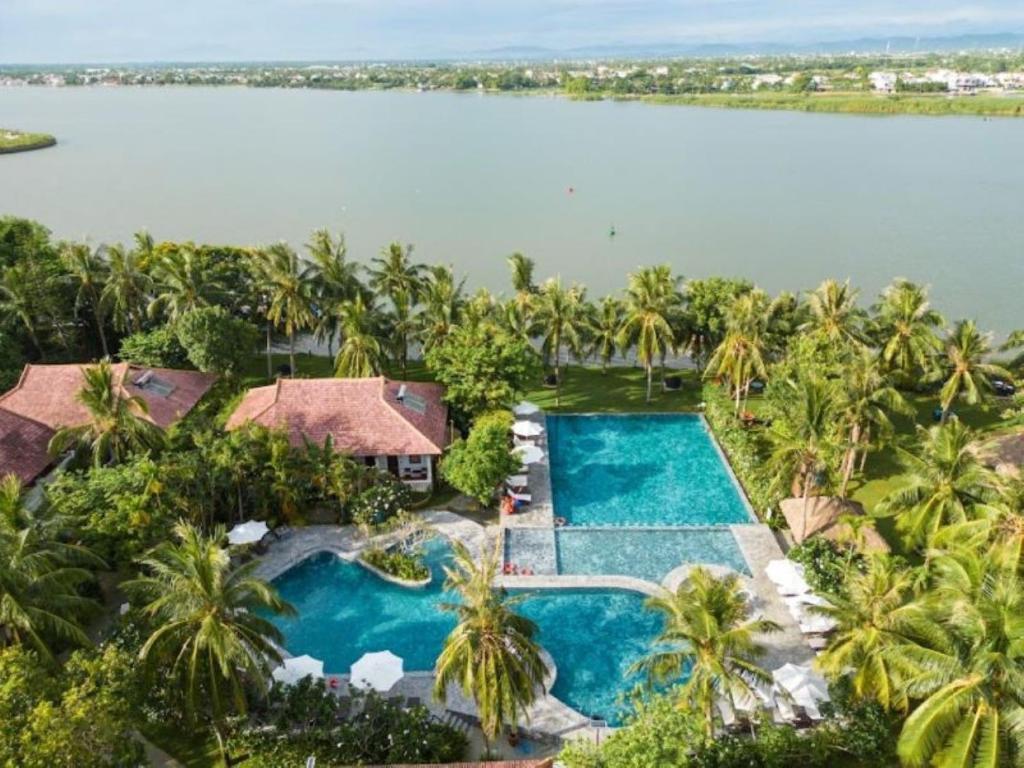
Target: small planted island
19	141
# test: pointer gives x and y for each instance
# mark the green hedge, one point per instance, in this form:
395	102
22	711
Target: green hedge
402	565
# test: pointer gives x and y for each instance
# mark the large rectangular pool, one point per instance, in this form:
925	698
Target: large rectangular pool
636	470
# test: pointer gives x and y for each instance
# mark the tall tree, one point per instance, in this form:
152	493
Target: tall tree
491	654
968	376
710	635
360	353
560	315
117	425
291	295
604	324
210	632
442	306
524	301
18	299
127	290
740	357
335	279
88	269
834	314
651	299
904	327
396	276
182	283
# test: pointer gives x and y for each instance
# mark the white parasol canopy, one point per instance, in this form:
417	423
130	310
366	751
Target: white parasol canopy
528	454
526	408
379	671
248	532
298	667
527	428
805	687
787	576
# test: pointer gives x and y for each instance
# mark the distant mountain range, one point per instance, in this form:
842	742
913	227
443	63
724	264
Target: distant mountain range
901	44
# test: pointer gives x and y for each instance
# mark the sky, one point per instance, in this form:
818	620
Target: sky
73	31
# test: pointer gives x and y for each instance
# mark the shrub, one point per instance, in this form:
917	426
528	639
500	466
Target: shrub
477	465
403	565
825	563
158	348
381	502
215	341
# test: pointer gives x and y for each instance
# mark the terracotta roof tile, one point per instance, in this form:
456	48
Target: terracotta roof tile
23	444
48	393
363	416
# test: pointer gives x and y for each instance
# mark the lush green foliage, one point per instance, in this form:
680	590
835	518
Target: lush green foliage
477	465
403	565
215	341
380	503
158	347
826	564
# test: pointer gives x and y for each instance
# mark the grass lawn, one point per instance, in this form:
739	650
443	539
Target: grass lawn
587	389
196	749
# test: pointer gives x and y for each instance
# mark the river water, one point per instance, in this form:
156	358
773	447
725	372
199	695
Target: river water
783	198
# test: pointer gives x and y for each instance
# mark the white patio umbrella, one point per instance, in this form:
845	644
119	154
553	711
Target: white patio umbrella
380	671
787	576
298	667
527	428
248	532
806	688
528	454
526	408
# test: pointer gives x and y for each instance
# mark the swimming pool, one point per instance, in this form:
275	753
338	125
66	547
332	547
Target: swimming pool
638	470
345	611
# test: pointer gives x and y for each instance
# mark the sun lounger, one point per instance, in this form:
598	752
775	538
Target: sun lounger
522	498
517	481
725	710
785	709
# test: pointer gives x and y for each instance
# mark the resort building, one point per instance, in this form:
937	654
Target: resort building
399	427
46	399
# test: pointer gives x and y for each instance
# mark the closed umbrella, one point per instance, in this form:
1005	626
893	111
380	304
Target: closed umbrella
248	532
529	454
526	408
380	671
527	428
298	667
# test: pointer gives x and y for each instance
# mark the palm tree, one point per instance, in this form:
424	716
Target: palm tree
290	294
905	328
19	299
522	283
442	305
651	299
834	313
88	269
560	314
360	353
117	425
969	682
740	358
803	439
866	399
604	325
491	654
335	279
396	276
877	618
710	634
182	283
210	632
1014	341
39	578
127	289
946	483
145	246
968	376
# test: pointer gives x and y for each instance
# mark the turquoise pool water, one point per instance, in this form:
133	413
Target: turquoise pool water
637	470
345	611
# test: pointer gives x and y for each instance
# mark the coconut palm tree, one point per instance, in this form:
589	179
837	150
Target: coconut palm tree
19	299
491	654
396	276
877	618
969	683
88	269
866	398
967	376
360	353
522	283
442	305
604	324
834	314
127	290
117	425
709	633
560	315
740	358
210	632
1014	341
803	439
652	298
39	578
290	293
182	283
335	279
946	483
904	328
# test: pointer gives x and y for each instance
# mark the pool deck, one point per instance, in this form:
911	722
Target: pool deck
539	513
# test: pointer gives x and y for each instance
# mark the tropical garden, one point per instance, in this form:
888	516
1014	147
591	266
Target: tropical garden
877	400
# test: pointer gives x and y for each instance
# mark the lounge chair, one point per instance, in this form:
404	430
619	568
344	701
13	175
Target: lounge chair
517	481
725	710
521	498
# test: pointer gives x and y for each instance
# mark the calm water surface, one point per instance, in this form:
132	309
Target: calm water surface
784	198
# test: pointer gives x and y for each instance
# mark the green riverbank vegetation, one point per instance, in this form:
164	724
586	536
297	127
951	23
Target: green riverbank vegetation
816	392
19	141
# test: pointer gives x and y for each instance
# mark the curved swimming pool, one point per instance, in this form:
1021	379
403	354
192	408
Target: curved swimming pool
345	611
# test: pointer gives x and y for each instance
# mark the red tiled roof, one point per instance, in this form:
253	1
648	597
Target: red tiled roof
48	393
363	416
23	444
